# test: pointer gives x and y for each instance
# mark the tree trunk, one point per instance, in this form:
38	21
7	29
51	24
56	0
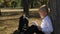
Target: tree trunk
26	7
32	4
55	14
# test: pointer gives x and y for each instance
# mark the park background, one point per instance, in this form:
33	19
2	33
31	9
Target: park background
11	10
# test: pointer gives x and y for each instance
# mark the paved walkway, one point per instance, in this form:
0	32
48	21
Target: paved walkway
9	17
15	10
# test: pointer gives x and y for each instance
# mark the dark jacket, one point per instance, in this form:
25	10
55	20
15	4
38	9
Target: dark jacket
23	24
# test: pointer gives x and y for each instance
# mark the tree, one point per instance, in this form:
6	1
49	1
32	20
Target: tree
55	14
34	3
25	7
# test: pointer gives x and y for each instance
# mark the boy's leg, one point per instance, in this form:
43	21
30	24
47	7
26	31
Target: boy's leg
33	29
37	31
30	30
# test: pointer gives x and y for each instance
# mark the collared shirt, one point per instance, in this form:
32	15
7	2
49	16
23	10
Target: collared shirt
46	25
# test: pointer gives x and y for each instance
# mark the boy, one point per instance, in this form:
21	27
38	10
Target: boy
23	24
46	24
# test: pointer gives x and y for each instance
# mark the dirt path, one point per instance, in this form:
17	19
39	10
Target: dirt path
9	26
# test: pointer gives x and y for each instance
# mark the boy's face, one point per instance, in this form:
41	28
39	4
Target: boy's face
42	13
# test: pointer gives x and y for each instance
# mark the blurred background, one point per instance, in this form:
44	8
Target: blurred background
11	10
19	3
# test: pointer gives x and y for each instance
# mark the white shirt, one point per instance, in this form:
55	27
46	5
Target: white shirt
46	25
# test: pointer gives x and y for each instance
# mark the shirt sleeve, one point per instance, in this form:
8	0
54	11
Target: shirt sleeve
47	25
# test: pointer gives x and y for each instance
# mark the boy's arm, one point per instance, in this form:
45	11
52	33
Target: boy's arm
36	24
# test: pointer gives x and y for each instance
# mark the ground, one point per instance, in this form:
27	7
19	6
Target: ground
9	26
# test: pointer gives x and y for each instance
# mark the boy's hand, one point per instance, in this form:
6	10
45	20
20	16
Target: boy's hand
39	28
35	23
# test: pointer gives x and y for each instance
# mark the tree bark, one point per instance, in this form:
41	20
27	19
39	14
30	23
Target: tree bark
26	7
55	14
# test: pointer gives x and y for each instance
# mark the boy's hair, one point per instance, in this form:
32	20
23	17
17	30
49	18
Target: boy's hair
44	8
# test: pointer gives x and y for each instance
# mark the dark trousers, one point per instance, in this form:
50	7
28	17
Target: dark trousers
33	29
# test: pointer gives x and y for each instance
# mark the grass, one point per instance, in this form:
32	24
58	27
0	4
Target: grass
9	26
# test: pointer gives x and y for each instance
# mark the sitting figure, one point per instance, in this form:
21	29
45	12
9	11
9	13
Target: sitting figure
46	24
23	23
